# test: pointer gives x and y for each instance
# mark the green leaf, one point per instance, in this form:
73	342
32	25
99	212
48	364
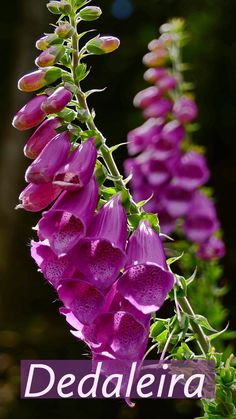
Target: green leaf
174	259
81	72
115	147
203	322
153	220
108	193
157	328
141	204
216	335
192	277
134	220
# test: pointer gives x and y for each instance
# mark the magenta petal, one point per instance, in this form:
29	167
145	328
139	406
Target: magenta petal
100	261
119	333
44	167
213	248
146	286
53	268
145	246
147	97
201	220
66	222
139	138
31	114
191	171
41	137
177	200
35	198
82	299
79	168
57	101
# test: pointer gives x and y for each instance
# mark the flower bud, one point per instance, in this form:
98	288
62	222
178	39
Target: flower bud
185	109
41	137
146	97
37	197
54	7
38	79
152	75
156	58
227	376
103	45
57	101
50	56
59	7
90	13
65	30
167	83
30	115
46	41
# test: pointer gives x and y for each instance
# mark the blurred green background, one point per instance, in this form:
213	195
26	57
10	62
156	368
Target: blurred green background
30	326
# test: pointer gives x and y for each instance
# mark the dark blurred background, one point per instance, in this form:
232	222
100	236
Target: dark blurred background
30	326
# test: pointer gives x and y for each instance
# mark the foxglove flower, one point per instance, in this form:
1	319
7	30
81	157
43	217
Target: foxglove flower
79	168
57	101
153	75
201	220
167	223
167	83
30	115
54	268
213	248
44	167
192	171
67	221
156	58
38	197
101	253
173	132
146	134
147	97
38	79
41	137
160	108
177	200
157	172
185	109
82	299
146	280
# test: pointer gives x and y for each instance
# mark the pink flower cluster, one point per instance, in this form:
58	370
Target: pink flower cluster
161	167
82	246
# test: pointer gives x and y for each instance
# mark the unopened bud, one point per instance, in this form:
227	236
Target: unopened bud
103	45
50	56
48	40
90	13
54	7
156	58
57	101
38	79
65	30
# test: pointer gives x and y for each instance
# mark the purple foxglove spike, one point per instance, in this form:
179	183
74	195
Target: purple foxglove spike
185	110
140	138
167	83
159	109
41	137
214	248
30	115
101	253
38	79
177	200
201	220
84	300
192	171
146	280
67	221
57	101
173	132
79	168
44	167
54	268
153	75
147	97
37	197
118	333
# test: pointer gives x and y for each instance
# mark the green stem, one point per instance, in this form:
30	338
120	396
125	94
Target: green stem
203	341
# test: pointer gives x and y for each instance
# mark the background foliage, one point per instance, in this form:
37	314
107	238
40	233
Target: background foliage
29	324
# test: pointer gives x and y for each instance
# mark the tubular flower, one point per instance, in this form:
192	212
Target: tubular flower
67	220
30	115
38	79
41	137
38	197
54	154
78	170
146	281
57	101
102	251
